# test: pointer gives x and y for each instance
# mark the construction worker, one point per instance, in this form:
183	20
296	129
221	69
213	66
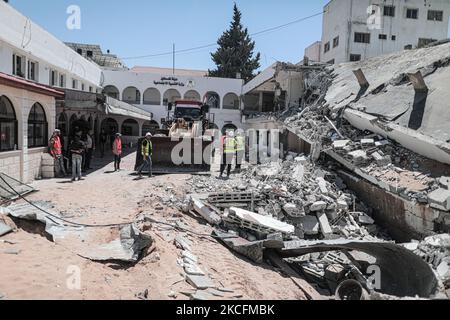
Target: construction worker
56	151
240	149
228	152
147	152
117	151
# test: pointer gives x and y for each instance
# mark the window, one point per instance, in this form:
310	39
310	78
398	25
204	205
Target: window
327	47
434	15
335	42
8	125
355	57
90	89
82	87
389	11
382	36
412	13
53	78
80	51
362	37
90	54
62	80
37	127
408	47
74	84
32	70
394	38
331	61
19	65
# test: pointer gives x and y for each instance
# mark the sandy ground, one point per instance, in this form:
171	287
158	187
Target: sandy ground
35	268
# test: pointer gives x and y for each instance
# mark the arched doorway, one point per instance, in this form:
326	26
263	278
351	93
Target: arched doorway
192	95
170	96
231	101
111	91
212	99
130	127
152	97
37	127
150	126
131	95
8	125
110	126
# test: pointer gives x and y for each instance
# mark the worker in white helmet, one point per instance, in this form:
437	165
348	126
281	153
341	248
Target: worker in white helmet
147	152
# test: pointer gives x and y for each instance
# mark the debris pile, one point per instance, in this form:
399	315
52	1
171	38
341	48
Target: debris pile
308	197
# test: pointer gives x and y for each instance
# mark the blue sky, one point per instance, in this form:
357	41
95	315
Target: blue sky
143	27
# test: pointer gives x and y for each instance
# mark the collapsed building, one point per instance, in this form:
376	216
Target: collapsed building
365	165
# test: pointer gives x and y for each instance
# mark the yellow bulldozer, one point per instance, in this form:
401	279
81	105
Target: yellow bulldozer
182	145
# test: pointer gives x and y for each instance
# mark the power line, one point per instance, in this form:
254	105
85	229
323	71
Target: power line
215	44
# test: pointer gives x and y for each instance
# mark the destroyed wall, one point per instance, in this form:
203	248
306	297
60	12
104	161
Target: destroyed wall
391	107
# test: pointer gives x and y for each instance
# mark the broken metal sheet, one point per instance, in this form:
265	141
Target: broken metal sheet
124	243
403	273
8	194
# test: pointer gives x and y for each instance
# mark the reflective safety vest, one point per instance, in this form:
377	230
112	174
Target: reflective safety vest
229	145
240	143
147	148
56	146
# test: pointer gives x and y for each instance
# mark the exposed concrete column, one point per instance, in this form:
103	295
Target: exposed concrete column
260	102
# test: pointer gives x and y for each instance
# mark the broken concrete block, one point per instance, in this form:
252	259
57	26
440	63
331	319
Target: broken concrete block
310	225
322	185
440	199
293	210
302	160
189	256
183	243
340	144
381	143
358	155
381	160
318	206
193	269
324	224
443	270
444	182
367	142
365	219
206	212
342	205
258	222
199	282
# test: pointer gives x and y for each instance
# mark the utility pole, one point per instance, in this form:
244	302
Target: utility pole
173	59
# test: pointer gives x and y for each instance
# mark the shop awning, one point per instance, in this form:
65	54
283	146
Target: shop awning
113	106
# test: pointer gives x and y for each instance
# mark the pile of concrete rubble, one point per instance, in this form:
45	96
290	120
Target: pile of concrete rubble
315	201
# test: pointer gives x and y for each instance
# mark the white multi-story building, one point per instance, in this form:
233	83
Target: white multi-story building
152	89
354	30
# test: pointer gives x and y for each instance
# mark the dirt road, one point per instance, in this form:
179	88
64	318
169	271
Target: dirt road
35	268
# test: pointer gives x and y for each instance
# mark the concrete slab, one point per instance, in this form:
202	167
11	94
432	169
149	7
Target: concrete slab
318	206
310	225
199	282
324	224
440	199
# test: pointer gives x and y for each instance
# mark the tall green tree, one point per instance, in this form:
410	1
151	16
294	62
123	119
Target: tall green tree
235	53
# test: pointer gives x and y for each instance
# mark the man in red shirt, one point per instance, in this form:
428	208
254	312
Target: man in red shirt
117	151
56	151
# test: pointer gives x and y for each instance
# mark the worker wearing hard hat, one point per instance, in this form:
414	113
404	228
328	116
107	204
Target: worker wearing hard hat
228	152
147	152
240	149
